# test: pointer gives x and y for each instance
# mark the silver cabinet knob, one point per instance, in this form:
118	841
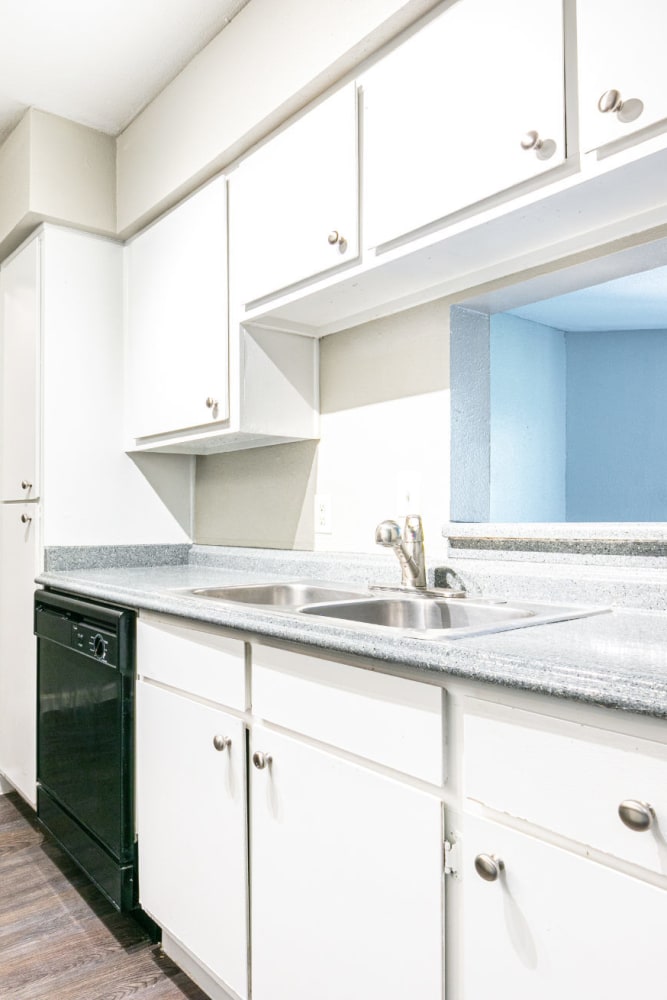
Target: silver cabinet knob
488	867
626	111
636	815
25	485
221	742
261	760
544	148
334	238
211	403
25	519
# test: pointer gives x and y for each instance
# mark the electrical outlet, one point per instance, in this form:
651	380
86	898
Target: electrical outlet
408	493
323	514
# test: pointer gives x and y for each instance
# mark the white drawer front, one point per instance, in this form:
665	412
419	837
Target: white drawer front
386	719
571	779
196	660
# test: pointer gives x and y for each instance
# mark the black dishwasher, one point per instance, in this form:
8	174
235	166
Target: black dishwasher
85	739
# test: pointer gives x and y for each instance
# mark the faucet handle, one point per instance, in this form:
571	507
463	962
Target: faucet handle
414	529
388	533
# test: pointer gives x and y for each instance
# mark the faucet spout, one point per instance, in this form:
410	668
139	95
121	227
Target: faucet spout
409	549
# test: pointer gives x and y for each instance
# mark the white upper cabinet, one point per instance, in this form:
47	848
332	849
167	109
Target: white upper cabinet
622	68
469	106
20	403
294	202
177	334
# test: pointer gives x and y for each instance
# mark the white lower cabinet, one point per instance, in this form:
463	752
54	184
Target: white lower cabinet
347	878
191	800
564	862
555	925
291	845
345	874
19	558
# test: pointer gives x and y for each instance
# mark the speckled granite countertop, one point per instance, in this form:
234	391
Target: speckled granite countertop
616	659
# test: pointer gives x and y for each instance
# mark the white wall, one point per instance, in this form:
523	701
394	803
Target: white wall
384	412
55	170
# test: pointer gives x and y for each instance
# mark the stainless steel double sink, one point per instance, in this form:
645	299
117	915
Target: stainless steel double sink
425	614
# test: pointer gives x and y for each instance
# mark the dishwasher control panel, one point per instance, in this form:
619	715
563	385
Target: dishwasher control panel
95	642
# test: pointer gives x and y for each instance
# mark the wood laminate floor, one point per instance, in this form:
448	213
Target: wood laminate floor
59	938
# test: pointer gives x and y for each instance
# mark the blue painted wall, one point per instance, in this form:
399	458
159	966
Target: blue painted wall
528	421
554	426
617	426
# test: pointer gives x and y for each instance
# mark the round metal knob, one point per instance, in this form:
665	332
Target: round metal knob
335	237
221	742
211	403
261	760
636	815
25	485
488	867
544	148
612	102
25	519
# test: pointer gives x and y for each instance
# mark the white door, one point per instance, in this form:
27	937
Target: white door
294	202
20	379
19	564
446	112
347	880
192	828
177	333
556	925
621	48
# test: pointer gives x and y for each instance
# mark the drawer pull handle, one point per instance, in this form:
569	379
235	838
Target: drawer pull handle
221	742
25	485
211	403
489	867
25	519
261	760
636	815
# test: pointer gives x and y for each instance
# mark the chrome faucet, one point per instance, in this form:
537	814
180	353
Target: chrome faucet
409	549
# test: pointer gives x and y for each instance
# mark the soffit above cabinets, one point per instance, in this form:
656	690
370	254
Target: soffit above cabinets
98	64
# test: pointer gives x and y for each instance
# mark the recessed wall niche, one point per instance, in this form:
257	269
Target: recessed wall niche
559	406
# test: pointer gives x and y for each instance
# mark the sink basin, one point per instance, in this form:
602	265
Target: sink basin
281	595
422	615
450	617
425	615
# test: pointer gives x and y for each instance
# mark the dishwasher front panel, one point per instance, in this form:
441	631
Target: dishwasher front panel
85	744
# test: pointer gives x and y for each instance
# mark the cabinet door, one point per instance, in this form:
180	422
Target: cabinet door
446	112
19	438
19	558
620	47
294	203
177	318
556	925
191	821
347	880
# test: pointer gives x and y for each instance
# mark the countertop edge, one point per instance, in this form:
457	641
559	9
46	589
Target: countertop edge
422	659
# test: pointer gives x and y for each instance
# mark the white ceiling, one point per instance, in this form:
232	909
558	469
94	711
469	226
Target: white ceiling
98	62
634	302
